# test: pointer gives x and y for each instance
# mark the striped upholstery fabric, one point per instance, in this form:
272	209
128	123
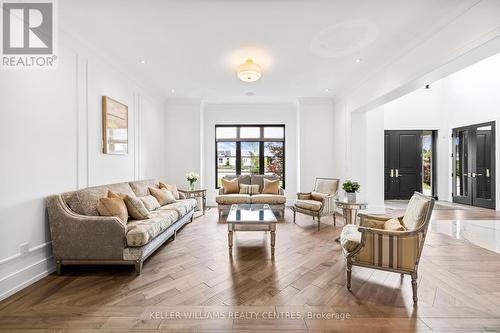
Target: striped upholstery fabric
393	250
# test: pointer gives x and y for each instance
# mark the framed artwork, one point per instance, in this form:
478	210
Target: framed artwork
114	127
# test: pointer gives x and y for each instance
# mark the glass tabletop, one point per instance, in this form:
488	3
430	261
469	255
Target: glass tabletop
246	213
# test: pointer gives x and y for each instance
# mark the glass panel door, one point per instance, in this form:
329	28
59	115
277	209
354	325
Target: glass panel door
483	162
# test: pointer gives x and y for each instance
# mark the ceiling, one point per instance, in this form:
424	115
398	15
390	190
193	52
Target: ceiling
308	48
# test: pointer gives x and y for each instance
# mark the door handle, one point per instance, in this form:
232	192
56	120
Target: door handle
487	172
392	173
397	173
467	174
476	174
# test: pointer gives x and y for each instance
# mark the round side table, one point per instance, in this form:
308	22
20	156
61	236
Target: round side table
350	209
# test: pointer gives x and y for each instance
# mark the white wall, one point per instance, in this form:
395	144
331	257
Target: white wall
50	142
316	141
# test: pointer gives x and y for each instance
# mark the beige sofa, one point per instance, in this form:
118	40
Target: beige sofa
81	236
275	201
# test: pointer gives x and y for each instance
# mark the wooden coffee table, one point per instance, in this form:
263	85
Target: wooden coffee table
251	217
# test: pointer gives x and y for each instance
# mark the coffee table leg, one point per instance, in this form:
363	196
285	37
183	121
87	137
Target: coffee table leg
273	238
230	238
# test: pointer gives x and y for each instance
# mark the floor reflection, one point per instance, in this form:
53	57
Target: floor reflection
483	233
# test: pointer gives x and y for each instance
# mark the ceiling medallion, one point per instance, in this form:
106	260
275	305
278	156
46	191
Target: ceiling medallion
249	71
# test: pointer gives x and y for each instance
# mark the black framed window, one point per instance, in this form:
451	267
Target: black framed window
249	149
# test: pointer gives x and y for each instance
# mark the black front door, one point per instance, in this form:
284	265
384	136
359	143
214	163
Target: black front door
403	163
474	165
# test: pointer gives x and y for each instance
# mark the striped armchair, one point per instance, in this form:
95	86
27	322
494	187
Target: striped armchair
390	244
320	202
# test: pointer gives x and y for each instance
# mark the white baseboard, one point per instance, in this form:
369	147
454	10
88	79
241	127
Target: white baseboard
25	277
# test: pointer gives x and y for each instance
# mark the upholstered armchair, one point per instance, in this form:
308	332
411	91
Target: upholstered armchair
389	244
320	202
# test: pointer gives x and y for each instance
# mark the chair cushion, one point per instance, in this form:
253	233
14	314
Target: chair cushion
415	212
229	199
350	237
318	196
230	186
141	232
309	204
182	207
271	199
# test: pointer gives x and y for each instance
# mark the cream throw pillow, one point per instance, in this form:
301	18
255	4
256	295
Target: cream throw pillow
136	208
150	202
249	189
271	186
163	195
113	207
393	225
230	186
172	188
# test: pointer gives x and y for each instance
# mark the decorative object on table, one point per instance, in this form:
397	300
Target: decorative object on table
192	178
320	202
114	127
379	243
350	189
195	194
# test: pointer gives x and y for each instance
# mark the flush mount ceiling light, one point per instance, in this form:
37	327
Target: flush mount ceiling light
249	71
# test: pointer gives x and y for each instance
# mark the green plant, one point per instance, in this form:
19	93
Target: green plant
350	186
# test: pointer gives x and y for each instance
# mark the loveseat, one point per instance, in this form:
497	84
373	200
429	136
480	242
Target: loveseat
81	236
275	201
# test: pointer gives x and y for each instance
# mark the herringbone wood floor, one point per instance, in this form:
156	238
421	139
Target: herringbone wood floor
459	287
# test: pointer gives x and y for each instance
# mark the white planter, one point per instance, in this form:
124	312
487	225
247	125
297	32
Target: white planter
351	196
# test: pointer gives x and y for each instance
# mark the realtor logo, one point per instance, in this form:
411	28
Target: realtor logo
28	34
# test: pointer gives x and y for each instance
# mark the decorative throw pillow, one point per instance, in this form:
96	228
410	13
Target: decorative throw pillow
249	189
150	202
136	208
163	195
230	186
271	186
112	194
113	207
172	188
393	225
318	196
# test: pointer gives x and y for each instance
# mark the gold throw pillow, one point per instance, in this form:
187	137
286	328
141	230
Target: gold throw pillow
163	195
172	188
136	208
271	186
230	186
113	207
318	196
150	202
393	225
249	189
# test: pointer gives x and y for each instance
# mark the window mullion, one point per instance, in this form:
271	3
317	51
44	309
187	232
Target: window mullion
261	157
238	157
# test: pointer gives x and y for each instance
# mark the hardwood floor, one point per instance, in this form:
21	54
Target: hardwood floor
192	284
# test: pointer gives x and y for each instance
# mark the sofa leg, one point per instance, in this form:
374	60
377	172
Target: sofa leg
294	213
334	220
138	267
174	236
59	267
414	287
349	273
319	222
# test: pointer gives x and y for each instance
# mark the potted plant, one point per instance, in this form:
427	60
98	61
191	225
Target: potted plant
192	178
350	189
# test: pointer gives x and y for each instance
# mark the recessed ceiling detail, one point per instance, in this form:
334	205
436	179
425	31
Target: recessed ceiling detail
344	38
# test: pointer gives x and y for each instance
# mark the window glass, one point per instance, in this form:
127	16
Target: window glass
274	132
225	132
250	155
249	132
226	160
274	162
